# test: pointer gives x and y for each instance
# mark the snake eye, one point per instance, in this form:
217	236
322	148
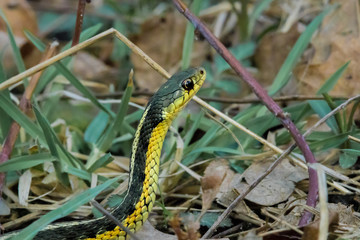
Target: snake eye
187	84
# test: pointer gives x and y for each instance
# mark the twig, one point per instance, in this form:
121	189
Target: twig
113	219
148	60
79	21
25	106
228	100
266	99
278	161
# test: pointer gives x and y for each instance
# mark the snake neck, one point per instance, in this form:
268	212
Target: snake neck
144	169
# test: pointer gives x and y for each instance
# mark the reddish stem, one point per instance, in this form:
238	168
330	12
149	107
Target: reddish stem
79	21
25	106
264	97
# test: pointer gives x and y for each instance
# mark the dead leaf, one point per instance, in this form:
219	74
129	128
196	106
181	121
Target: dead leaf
20	16
311	231
211	182
226	195
276	187
191	227
336	43
149	232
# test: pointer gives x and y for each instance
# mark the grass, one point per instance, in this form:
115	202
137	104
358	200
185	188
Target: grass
91	156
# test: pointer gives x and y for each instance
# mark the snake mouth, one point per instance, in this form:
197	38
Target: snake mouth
183	94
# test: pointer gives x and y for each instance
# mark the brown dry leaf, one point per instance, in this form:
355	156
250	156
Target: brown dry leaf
162	39
226	195
311	231
53	189
149	232
276	187
20	17
210	184
191	228
272	51
293	211
337	42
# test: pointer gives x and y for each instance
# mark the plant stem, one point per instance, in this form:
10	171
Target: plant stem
266	99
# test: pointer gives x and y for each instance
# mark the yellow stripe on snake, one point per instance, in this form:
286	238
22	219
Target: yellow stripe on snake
140	197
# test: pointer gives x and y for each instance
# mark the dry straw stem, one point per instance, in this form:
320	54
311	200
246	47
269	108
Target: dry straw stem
281	221
282	156
266	99
158	68
8	83
323	202
25	107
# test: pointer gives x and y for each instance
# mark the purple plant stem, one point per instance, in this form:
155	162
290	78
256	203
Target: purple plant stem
79	21
265	98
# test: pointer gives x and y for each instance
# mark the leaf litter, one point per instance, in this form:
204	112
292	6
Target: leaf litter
276	204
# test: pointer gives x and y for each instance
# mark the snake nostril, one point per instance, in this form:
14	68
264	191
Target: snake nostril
201	72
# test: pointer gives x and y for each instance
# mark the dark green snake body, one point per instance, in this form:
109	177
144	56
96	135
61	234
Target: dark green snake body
144	164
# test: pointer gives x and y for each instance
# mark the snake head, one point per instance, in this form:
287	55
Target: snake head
178	91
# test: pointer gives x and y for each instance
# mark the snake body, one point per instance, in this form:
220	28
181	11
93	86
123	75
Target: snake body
139	199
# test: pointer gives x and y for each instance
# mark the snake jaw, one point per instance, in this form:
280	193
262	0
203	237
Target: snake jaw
181	96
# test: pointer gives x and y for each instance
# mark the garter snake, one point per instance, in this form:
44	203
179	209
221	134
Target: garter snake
140	196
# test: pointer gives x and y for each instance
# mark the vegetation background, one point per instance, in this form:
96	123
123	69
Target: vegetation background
74	139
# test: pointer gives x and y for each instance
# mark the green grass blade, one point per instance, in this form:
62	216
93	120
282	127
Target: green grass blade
48	133
259	7
330	83
86	34
5	120
63	154
329	143
284	73
30	231
322	108
241	52
194	127
205	140
14	112
348	157
101	162
24	162
97	126
79	86
80	173
351	117
66	73
215	150
340	121
105	141
51	72
107	138
36	41
17	55
189	37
